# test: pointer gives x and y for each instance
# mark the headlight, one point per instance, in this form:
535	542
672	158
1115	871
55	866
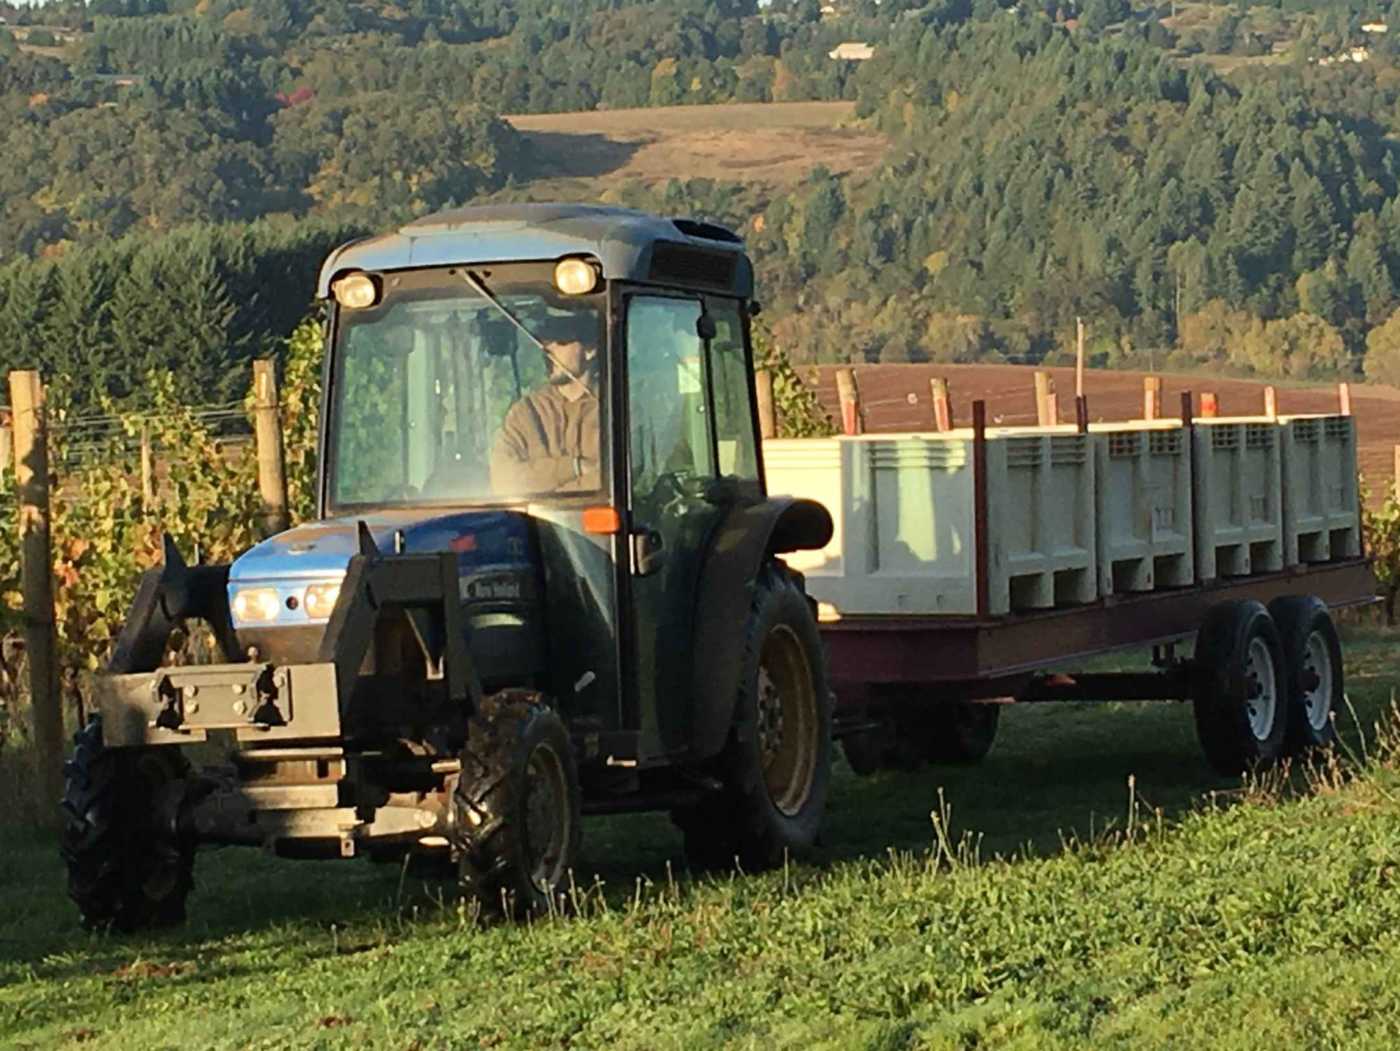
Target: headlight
256	605
356	291
575	277
320	600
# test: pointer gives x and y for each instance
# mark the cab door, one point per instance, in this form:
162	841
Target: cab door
671	460
691	456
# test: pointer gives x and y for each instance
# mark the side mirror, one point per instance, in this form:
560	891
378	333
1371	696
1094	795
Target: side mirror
705	327
648	552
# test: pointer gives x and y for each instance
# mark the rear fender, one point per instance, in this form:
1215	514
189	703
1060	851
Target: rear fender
747	537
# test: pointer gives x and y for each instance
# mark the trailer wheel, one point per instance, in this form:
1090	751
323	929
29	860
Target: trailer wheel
776	767
1312	663
516	808
129	866
963	733
1241	697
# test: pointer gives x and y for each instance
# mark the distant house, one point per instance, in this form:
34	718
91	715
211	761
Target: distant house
852	51
1375	27
1356	54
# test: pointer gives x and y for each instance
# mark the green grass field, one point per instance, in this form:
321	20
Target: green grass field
1207	916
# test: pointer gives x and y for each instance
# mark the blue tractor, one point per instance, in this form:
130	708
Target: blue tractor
545	581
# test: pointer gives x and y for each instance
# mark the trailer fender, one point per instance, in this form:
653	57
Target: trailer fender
743	541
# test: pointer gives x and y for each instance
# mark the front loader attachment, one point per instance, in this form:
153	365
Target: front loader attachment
167	595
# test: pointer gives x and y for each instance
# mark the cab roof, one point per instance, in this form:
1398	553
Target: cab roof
630	245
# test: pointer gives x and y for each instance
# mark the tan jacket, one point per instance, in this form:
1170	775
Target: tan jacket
548	444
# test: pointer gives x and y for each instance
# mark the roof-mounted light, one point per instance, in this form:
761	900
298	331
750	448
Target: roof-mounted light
576	277
356	291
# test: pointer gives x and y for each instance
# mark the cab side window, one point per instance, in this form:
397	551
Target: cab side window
729	372
666	391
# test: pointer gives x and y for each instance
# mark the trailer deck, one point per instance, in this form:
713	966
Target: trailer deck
996	657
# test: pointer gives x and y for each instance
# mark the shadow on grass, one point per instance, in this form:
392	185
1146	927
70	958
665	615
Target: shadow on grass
1057	772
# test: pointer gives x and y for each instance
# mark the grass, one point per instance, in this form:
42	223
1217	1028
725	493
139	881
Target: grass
1210	915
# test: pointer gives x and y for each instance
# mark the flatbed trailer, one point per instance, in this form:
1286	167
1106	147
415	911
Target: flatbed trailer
1265	675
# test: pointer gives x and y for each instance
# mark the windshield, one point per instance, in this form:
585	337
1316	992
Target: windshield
438	398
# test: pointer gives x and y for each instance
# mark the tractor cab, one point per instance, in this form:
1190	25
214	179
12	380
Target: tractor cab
588	368
545	578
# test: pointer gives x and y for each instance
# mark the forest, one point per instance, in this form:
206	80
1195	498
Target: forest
1208	186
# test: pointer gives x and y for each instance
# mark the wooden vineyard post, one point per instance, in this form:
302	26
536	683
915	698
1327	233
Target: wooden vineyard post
1152	397
849	395
1271	403
763	396
272	477
36	578
1078	357
148	488
942	407
1344	399
1045	407
1210	405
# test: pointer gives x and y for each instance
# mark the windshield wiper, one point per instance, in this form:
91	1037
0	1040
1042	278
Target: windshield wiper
490	297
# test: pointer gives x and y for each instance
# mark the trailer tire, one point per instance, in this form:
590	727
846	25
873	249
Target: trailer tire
129	866
1313	671
775	769
516	808
1240	697
963	732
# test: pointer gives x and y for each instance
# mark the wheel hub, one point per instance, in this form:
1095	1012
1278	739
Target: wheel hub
787	722
1316	679
1261	690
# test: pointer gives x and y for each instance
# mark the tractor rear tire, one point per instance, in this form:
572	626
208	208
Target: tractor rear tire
776	766
517	806
1240	699
1313	672
129	866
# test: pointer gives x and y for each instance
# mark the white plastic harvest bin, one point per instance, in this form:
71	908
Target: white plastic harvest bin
905	519
1321	502
1237	487
1143	502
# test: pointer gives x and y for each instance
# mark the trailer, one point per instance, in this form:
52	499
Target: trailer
1190	549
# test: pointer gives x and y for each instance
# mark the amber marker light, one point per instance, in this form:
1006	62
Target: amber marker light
602	520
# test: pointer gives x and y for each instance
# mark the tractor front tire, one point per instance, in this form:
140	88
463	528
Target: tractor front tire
776	765
517	806
130	867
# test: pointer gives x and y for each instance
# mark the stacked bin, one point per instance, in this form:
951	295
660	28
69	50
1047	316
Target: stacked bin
904	508
1238	503
1321	503
1143	505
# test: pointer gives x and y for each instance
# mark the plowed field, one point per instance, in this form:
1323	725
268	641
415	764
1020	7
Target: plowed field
896	398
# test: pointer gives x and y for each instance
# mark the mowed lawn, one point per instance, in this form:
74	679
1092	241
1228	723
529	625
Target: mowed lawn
1208	915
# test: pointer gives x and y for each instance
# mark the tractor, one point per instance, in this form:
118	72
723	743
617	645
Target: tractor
544	581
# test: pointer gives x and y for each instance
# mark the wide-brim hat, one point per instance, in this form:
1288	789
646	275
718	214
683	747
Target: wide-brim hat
567	328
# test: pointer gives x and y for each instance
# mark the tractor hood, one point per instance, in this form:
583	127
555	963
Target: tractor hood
322	550
490	545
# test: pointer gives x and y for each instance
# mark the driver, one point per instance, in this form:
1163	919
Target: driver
549	441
